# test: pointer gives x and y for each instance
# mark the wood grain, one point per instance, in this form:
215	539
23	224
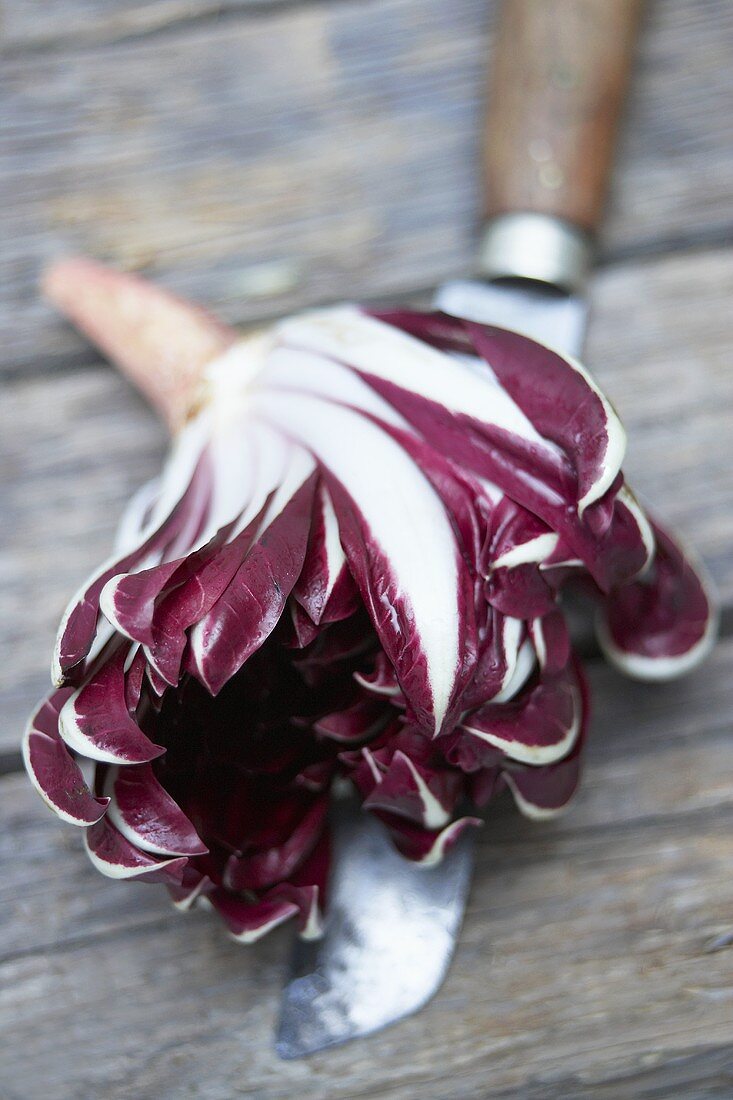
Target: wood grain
661	341
558	83
260	163
259	155
35	25
584	968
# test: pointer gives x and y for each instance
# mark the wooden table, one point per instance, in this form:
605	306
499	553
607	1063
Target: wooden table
261	156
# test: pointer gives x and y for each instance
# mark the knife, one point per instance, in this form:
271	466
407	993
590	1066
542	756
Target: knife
558	81
388	939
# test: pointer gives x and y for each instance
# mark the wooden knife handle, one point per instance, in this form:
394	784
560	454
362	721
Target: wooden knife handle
560	73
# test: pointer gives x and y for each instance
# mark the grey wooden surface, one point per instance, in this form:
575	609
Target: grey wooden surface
585	958
326	145
263	155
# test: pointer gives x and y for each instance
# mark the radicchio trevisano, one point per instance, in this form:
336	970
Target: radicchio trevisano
351	568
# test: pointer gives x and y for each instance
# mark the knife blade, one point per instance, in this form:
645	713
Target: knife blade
391	927
389	935
559	321
534	269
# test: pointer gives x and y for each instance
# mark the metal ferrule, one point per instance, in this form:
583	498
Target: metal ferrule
535	246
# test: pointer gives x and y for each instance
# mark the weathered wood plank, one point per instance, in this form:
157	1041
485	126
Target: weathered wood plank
660	342
77	445
702	1076
264	162
583	966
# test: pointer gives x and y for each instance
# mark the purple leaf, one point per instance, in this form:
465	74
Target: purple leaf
359	722
249	921
114	855
544	791
147	816
539	726
421	794
663	624
551	641
259	869
52	769
251	605
325	561
96	721
426	846
193	885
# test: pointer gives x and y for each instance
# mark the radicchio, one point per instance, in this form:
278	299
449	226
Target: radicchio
351	568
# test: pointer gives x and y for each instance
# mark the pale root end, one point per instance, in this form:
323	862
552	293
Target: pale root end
161	342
